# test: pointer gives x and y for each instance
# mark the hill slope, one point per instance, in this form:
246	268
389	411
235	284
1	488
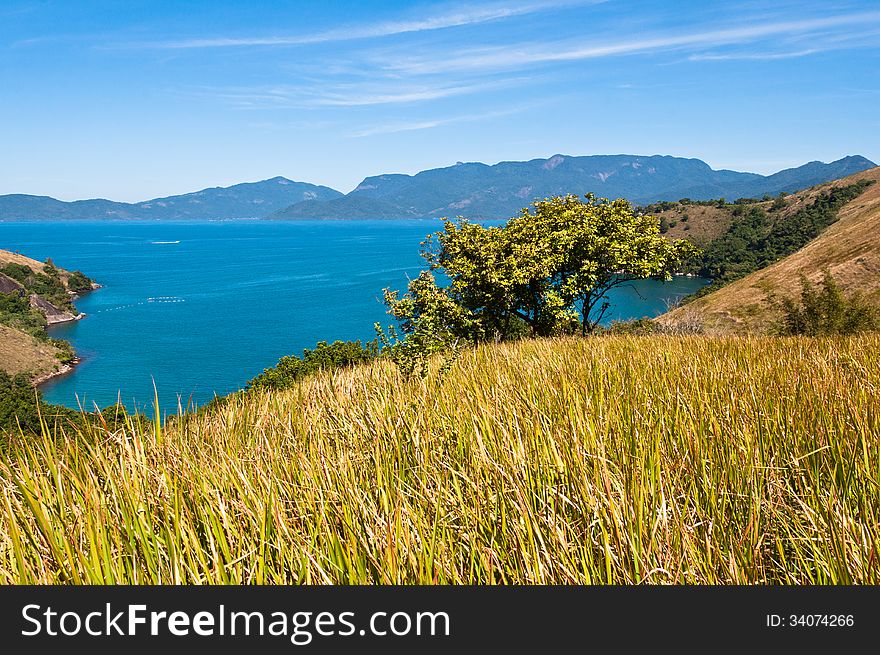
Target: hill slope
849	249
33	295
22	353
590	461
480	191
248	200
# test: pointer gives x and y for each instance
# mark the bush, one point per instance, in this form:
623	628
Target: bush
48	284
16	312
779	203
79	282
827	311
19	404
338	354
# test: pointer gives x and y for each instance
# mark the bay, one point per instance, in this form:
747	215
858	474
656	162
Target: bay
200	308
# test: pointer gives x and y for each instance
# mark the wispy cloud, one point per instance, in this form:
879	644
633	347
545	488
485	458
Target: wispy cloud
754	56
455	17
316	95
509	57
359	96
392	128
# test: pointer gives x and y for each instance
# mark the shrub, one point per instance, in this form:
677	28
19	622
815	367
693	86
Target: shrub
325	356
779	203
47	284
78	282
755	240
826	311
19	404
16	312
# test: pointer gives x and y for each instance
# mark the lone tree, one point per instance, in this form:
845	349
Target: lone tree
545	272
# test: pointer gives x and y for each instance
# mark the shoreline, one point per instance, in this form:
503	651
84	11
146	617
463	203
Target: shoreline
66	369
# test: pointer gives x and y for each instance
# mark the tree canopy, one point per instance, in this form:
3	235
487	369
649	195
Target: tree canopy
546	271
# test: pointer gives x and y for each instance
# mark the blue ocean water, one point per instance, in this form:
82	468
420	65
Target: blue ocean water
200	308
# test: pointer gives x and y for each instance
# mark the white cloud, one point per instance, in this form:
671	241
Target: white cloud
526	55
457	17
355	96
392	128
315	95
753	56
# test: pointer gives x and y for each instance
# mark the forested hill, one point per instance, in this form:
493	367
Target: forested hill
480	191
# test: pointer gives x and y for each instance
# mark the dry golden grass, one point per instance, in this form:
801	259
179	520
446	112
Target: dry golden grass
22	353
601	460
850	249
703	223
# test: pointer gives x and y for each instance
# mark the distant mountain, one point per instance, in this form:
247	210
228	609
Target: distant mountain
481	191
473	190
249	200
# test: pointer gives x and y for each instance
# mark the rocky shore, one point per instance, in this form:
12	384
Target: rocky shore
64	369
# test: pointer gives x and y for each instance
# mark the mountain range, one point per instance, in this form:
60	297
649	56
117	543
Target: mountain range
248	200
473	190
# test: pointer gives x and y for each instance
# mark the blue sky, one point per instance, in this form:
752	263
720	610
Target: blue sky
133	100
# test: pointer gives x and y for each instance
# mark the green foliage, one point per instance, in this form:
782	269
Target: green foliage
19	404
546	272
826	311
431	322
65	353
18	272
47	285
78	282
23	411
324	357
16	312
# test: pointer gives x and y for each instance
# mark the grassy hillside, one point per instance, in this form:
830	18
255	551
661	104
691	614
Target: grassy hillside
601	460
33	294
849	249
23	353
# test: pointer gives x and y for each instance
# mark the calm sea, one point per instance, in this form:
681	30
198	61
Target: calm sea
200	308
